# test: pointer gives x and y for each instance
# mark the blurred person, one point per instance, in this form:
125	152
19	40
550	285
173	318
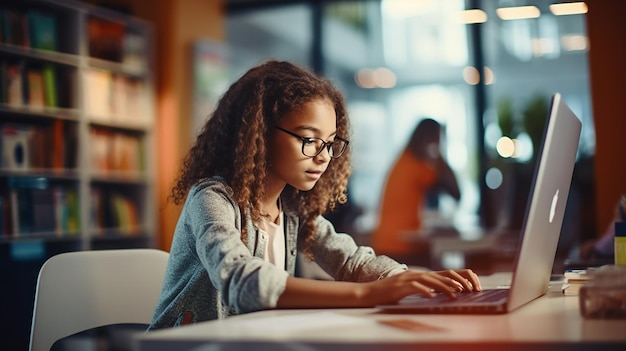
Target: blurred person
419	172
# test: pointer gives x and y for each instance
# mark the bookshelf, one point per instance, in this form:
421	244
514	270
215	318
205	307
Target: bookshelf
76	127
76	141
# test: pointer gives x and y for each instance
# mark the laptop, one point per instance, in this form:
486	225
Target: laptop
540	231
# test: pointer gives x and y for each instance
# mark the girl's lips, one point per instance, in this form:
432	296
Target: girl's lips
314	173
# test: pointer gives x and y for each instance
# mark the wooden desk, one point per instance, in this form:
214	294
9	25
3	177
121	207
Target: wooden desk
552	322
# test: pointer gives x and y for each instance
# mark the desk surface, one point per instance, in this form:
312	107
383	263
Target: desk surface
552	322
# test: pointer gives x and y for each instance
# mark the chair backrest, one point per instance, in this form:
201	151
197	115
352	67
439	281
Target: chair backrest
77	291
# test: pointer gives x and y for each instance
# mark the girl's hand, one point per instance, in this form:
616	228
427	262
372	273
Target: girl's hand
392	289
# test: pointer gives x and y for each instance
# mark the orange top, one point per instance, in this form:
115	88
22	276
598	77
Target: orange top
403	200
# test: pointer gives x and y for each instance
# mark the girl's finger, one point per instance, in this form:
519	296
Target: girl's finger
464	281
440	284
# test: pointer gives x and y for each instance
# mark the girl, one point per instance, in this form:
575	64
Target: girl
269	162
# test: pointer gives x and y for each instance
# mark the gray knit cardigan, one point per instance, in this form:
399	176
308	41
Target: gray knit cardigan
212	274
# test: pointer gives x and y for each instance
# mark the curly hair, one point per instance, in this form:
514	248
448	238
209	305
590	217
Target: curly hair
234	144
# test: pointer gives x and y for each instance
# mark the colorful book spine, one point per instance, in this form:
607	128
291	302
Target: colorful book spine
50	86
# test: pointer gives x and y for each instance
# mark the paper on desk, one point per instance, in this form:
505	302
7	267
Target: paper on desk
306	321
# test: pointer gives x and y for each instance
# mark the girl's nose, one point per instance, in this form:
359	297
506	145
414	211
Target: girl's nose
323	156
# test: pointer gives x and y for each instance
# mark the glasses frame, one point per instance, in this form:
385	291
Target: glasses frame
325	144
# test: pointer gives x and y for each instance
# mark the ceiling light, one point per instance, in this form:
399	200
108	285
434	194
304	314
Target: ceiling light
472	16
519	12
570	8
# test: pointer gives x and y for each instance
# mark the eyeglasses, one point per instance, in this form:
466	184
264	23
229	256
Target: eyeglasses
312	147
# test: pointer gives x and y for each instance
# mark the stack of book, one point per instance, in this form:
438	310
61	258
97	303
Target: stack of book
558	283
575	279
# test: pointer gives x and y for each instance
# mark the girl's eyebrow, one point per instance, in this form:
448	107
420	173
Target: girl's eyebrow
313	129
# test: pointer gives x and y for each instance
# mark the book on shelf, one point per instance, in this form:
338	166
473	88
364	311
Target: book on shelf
34	87
14	213
33	28
40	155
39	207
70	145
112	210
97	210
105	39
138	110
121	98
14	146
71	212
39	150
21	204
50	85
58	144
43	210
15	85
130	103
115	151
98	94
36	96
100	149
63	143
42	29
114	98
65	211
125	153
4	82
126	216
35	146
134	49
14	27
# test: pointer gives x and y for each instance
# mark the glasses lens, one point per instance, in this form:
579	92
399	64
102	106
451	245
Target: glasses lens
312	147
337	148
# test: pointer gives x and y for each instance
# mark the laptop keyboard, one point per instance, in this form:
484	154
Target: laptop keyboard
488	295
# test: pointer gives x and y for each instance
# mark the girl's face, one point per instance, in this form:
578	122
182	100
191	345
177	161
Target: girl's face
288	165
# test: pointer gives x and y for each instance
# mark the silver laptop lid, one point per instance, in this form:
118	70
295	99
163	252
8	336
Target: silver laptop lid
546	205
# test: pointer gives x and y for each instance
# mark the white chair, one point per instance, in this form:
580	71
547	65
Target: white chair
77	291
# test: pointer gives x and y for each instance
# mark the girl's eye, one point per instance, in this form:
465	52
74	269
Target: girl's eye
309	141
